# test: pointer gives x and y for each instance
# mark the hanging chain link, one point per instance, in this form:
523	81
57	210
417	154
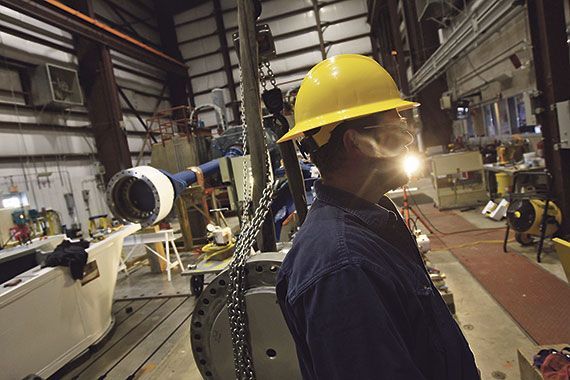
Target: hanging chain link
270	73
247	188
263	77
243	362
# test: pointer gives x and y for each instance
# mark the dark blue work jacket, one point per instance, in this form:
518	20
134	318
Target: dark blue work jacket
358	300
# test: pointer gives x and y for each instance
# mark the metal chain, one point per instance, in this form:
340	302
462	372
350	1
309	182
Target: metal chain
243	362
270	73
262	77
247	190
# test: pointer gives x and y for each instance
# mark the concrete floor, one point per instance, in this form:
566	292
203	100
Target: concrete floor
493	335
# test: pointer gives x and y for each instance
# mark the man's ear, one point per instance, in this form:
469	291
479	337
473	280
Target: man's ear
351	142
359	145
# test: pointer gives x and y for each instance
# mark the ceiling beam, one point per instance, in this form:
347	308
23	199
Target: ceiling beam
55	13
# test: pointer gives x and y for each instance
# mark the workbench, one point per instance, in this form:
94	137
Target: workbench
511	170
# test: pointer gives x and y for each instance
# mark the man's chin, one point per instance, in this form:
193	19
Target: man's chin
392	178
399	181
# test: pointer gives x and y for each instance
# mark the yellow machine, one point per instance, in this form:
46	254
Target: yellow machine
53	222
502	154
527	217
99	224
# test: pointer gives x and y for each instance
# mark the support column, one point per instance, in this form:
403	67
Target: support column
437	126
414	37
179	86
103	105
552	64
319	29
400	63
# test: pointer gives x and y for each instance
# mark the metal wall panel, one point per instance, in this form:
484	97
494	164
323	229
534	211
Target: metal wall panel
209	82
359	46
299	51
279	7
336	11
195	29
20	49
202	10
26	132
205	64
297	42
299	61
346	29
230	19
199	47
228	4
7	12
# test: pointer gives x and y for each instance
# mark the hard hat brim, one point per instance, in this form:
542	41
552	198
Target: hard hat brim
343	115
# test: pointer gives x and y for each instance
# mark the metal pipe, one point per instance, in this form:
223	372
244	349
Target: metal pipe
146	195
319	29
462	40
221	29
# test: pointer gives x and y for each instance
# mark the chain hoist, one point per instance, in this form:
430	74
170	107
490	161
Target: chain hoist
252	222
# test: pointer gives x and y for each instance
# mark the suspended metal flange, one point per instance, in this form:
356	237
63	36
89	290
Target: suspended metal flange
272	346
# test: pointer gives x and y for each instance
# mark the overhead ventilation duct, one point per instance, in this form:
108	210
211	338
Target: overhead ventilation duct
434	9
482	18
56	85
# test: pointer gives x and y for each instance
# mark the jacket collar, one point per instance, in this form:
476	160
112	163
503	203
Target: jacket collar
374	216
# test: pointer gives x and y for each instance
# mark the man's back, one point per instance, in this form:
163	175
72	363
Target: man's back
358	301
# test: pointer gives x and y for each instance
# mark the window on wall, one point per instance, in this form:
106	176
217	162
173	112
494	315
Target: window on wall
11	90
502	111
491	120
517	114
506	117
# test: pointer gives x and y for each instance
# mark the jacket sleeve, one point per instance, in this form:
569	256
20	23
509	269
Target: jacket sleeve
353	329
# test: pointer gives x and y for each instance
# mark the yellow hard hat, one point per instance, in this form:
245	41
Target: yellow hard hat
340	88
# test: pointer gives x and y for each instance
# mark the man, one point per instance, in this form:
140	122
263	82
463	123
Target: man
353	289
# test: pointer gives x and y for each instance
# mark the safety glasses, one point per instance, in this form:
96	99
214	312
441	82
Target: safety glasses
401	124
394	131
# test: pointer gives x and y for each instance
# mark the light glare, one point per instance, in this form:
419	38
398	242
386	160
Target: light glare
411	164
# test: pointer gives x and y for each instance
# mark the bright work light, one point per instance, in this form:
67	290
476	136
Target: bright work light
412	164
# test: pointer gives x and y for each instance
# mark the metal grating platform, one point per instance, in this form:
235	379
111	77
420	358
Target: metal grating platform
146	331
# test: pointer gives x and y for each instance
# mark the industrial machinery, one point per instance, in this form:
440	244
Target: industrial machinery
21	231
532	212
74	230
52	317
458	179
526	217
146	195
273	349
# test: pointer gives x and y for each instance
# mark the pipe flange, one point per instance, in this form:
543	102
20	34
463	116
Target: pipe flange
272	347
142	195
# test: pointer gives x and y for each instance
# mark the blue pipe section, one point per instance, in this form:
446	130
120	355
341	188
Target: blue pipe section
185	178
